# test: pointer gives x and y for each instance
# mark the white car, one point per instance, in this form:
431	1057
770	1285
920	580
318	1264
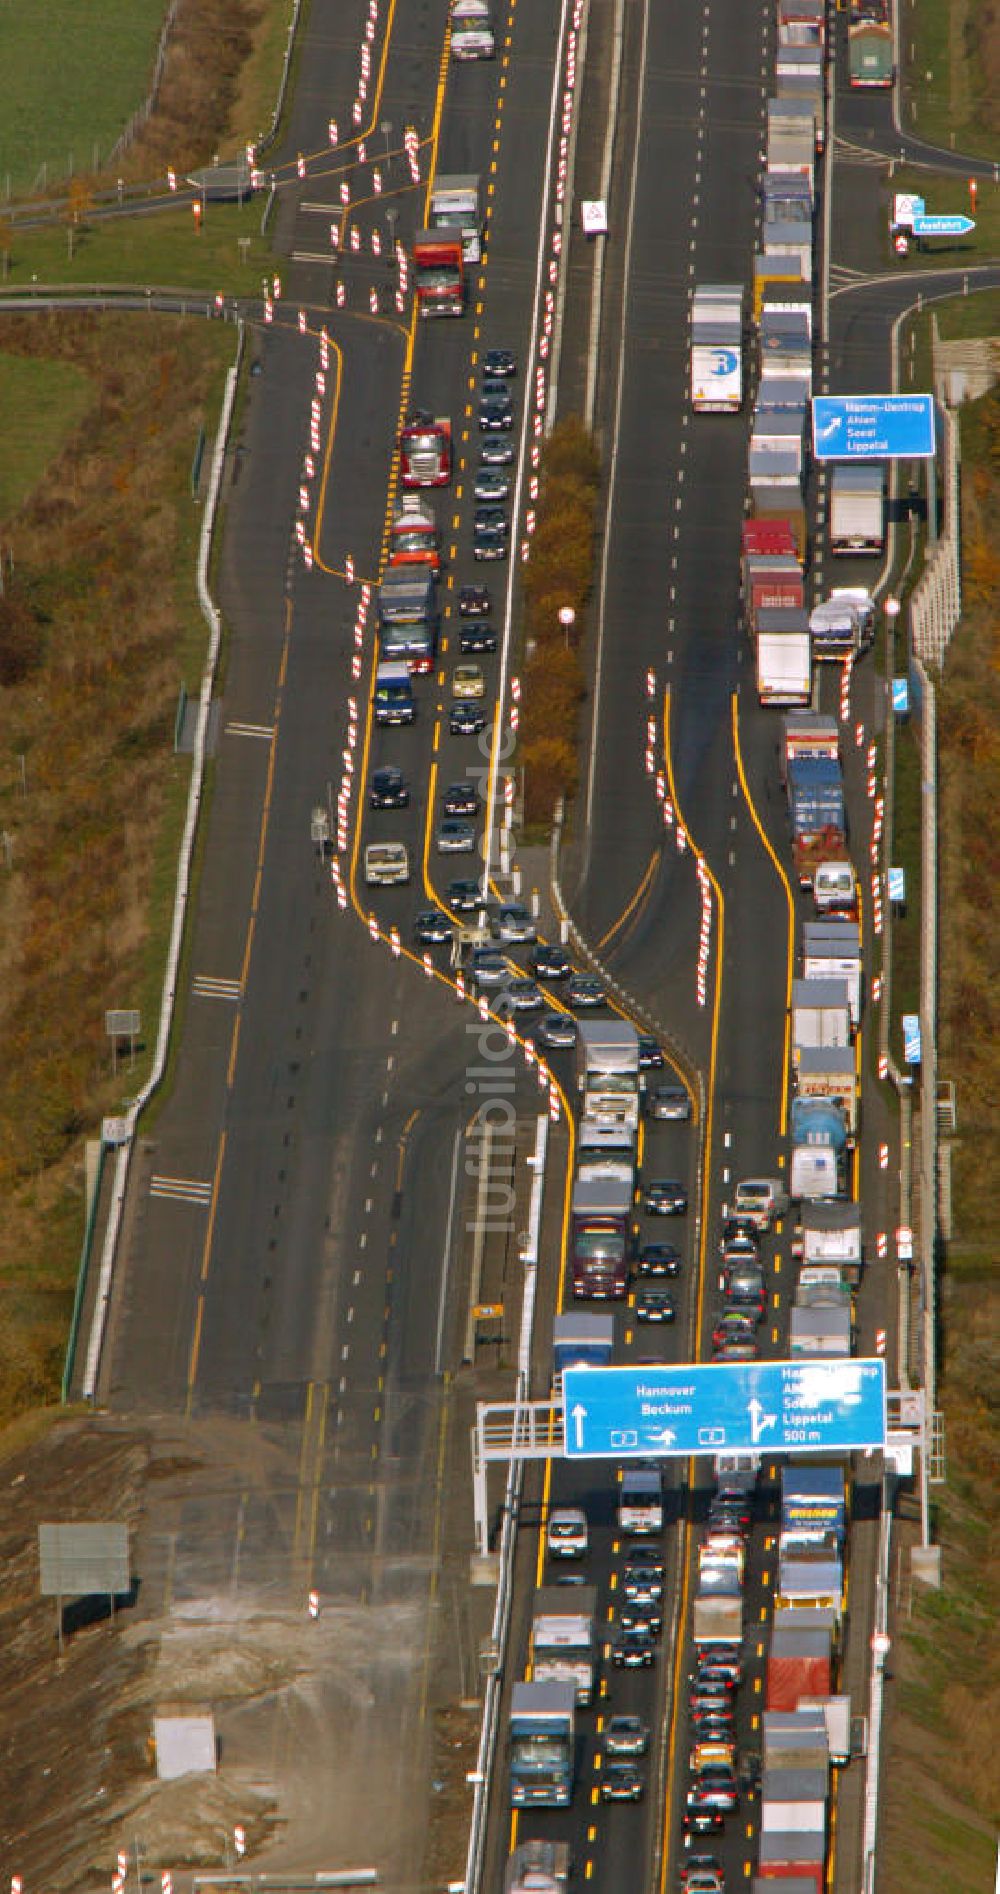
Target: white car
472	35
468	682
387	864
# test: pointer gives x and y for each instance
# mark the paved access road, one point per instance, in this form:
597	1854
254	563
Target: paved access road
285	1278
868	117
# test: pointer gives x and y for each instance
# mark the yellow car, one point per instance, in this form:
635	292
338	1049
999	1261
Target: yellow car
468	681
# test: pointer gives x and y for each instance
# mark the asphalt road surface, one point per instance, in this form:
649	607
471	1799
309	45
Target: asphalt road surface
286	1240
286	1256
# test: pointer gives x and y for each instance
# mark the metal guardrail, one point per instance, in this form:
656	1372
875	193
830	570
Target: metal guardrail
271	134
505	1584
82	1273
880	1646
679	1053
936	604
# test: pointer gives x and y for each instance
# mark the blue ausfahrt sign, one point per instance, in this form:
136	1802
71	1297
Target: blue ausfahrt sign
668	1412
901	696
873	427
911	1038
943	226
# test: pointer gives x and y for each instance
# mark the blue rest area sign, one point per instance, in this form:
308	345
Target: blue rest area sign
873	427
724	1407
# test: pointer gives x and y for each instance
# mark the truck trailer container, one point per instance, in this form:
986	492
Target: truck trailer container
795	1854
813	1504
771	582
717	348
795	1739
793	1861
857	508
869	54
831	950
829	1072
809	1584
815	788
836	1712
607	1070
830	1233
821	1014
784	670
564	1638
806	733
600	1219
819	1334
542	1739
582	1340
823	1286
799	1664
455	208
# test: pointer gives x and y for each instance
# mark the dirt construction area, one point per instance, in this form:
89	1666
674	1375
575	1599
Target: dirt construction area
310	1779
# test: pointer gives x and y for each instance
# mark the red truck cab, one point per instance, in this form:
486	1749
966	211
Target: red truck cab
425	451
439	273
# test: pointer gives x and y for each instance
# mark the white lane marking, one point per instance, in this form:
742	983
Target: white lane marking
446	1253
263	730
615	436
181	1189
207	987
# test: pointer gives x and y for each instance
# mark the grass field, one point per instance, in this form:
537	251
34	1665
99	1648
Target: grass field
941	92
940	1799
159	248
73	75
41	402
946	195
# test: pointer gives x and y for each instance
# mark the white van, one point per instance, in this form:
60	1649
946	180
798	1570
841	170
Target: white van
761	1200
640	1501
567	1536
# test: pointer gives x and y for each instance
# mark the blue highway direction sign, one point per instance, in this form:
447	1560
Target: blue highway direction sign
873	427
727	1407
943	226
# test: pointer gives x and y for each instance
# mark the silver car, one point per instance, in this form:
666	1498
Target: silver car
492	483
524	996
669	1102
489	968
456	836
557	1032
514	924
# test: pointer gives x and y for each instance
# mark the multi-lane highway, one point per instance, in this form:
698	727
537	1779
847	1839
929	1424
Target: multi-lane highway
286	1266
289	1282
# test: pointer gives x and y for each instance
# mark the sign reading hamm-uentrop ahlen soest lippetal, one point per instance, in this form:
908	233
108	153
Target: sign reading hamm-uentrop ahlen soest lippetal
724	1407
873	427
